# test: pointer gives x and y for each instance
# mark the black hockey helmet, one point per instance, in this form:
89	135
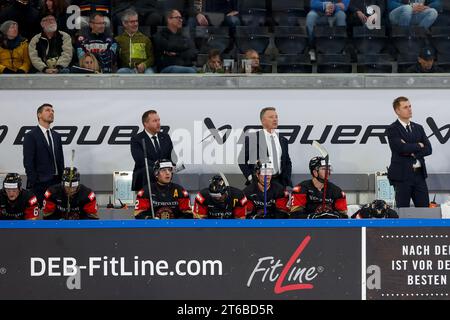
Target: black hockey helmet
317	162
265	167
161	164
379	208
70	177
12	181
217	186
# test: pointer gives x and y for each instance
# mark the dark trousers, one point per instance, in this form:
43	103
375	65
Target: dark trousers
39	189
414	188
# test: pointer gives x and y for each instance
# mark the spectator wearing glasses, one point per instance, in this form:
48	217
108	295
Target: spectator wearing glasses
174	51
135	48
100	43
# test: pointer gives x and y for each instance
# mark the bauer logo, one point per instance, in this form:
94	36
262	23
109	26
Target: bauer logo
293	275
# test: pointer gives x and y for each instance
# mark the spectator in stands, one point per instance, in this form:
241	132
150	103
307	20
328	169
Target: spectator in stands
89	61
89	7
25	13
135	48
198	17
99	43
357	11
146	9
326	12
425	62
14	56
174	51
252	55
57	8
405	13
214	63
51	51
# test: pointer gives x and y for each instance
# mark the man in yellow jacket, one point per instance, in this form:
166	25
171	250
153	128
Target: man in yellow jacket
135	48
14	56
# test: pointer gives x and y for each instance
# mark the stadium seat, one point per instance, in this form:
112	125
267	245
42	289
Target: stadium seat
330	40
443	61
252	12
374	63
368	41
256	38
289	12
334	63
440	37
290	40
293	63
207	38
404	61
408	40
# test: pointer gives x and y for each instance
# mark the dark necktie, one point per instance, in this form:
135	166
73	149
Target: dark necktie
408	129
157	148
274	156
50	143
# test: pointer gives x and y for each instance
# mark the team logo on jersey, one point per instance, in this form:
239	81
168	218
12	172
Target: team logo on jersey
91	196
175	193
33	201
47	194
200	198
244	201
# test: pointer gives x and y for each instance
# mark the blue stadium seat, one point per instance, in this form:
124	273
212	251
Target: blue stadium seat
290	40
330	40
368	41
334	63
293	63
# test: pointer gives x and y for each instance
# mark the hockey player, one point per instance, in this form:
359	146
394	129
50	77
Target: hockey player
378	209
277	197
70	200
220	201
308	201
170	200
17	203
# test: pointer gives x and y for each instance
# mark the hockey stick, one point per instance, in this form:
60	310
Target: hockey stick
325	155
148	179
265	195
72	157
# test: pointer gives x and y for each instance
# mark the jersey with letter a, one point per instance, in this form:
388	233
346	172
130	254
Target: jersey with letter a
83	204
276	202
170	201
25	207
233	207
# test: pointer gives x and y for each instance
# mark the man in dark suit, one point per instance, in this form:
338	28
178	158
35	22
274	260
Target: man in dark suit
43	156
266	145
159	146
409	145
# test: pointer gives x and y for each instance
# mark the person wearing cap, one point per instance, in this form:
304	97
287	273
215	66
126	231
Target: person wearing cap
425	62
70	200
51	50
405	13
17	203
220	201
318	198
271	206
169	200
14	56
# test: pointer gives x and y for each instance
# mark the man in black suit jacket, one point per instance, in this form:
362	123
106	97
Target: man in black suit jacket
409	145
266	145
43	156
158	145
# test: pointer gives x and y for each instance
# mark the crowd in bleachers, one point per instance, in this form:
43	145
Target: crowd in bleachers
224	36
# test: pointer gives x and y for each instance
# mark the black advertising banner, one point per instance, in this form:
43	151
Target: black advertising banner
408	263
181	263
